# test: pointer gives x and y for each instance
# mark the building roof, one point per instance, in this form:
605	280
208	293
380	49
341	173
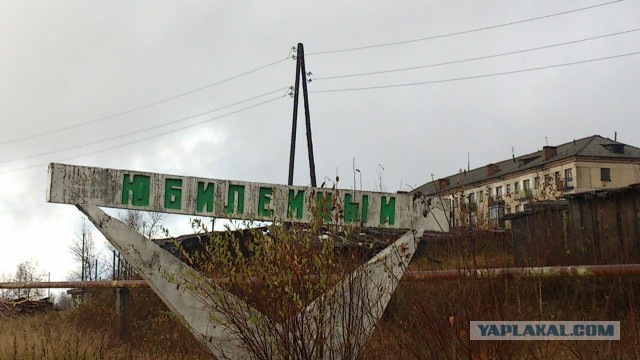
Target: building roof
603	193
368	238
594	146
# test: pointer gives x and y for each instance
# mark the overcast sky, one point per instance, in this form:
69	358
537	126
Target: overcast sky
120	85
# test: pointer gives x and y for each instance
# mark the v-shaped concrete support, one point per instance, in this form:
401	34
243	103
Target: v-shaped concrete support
342	320
167	275
346	316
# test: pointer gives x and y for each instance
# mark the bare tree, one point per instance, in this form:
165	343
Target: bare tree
148	224
85	252
133	219
27	272
5	293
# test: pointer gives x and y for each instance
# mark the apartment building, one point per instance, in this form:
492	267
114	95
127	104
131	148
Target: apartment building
481	197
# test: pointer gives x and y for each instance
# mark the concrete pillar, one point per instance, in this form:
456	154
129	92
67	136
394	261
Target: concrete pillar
123	301
354	306
167	276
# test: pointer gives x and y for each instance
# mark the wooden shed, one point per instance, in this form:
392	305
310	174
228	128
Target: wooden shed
595	227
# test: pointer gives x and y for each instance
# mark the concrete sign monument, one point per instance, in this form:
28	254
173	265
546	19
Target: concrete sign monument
136	190
90	187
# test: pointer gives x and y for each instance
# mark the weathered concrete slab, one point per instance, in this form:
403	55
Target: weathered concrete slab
136	190
167	275
349	313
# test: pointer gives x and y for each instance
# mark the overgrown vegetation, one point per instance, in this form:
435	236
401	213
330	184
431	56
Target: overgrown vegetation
430	320
88	332
289	275
425	320
26	271
54	336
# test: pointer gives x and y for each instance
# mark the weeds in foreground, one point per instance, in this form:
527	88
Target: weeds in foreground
52	335
425	320
88	332
430	319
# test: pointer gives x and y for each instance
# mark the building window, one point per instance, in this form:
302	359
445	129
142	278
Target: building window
496	217
536	182
499	192
472	198
516	186
526	184
490	192
568	175
508	189
480	196
496	212
605	174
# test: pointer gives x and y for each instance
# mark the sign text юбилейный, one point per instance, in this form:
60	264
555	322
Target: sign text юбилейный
136	190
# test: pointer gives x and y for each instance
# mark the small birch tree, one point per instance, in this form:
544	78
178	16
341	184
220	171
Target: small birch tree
27	272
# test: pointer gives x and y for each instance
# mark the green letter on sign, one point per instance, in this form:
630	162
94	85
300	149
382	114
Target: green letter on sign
296	204
233	190
387	210
139	188
264	199
365	208
323	206
173	194
352	209
205	197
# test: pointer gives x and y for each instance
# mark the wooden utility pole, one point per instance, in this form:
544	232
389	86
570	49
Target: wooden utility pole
82	258
294	126
300	70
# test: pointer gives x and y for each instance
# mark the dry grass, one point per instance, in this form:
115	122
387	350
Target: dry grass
88	333
430	320
463	250
425	320
53	336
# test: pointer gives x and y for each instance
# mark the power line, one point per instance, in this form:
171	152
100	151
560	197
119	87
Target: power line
141	130
472	59
144	129
146	138
462	32
476	76
146	106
